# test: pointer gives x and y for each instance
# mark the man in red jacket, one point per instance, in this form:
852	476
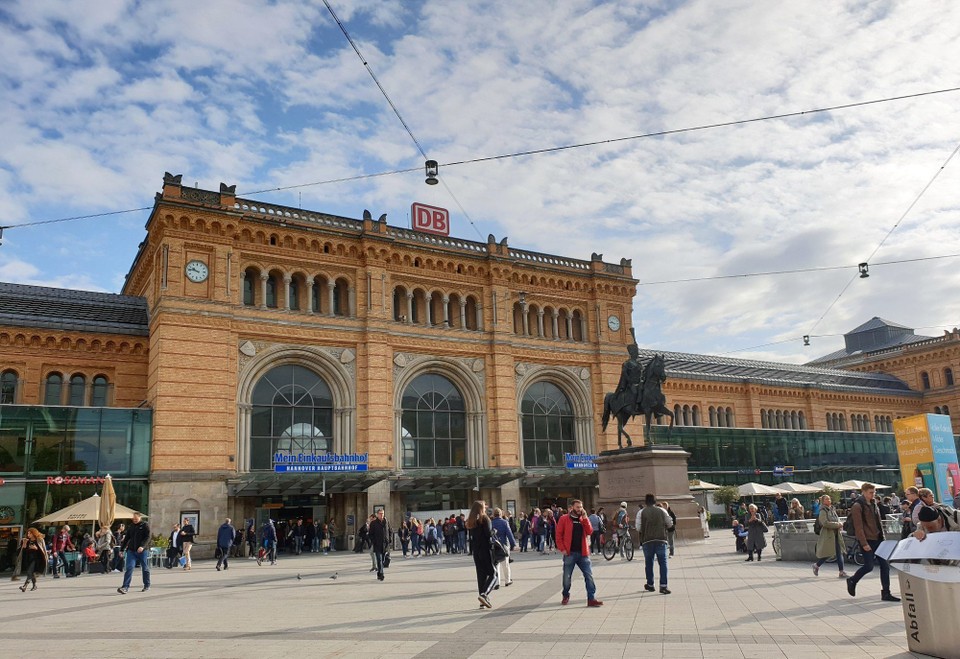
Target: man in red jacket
573	537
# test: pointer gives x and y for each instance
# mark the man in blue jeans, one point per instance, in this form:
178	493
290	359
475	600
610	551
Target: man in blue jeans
869	532
653	524
573	537
136	545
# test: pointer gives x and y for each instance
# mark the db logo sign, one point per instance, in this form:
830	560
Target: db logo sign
430	219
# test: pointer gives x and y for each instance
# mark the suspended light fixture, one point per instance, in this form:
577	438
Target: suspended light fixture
806	339
433	168
864	270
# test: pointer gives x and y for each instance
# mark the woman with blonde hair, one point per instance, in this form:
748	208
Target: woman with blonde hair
796	510
33	557
481	531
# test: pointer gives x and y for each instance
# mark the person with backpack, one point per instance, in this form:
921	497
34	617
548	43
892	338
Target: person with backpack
829	544
868	529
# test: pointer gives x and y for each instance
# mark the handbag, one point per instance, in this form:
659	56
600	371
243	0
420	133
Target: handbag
386	559
498	551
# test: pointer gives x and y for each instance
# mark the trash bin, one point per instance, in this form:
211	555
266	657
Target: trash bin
929	574
350	540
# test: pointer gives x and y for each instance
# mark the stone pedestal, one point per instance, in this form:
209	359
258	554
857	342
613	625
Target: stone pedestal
629	474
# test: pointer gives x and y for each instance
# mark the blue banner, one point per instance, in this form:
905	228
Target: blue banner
580	460
285	463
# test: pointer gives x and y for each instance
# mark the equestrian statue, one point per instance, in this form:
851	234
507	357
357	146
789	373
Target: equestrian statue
638	393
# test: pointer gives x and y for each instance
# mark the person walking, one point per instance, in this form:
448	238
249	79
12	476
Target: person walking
869	531
672	529
403	533
269	539
481	530
104	547
298	534
187	535
756	530
61	545
505	535
416	537
33	558
136	548
704	522
251	537
653	524
225	535
595	536
332	534
829	543
379	537
573	536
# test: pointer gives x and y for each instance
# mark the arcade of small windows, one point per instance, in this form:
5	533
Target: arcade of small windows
860	423
686	415
74	392
941	409
547	322
783	419
883	423
924	380
836	421
948	376
433	309
721	417
297	292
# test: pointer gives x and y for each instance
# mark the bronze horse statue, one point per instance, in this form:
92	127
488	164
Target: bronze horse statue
652	402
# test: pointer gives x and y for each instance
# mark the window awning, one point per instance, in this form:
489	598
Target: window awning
453	479
560	477
269	483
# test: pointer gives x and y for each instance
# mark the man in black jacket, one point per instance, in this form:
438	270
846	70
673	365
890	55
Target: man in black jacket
136	545
379	536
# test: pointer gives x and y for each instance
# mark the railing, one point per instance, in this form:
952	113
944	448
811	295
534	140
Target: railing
284	212
548	259
437	241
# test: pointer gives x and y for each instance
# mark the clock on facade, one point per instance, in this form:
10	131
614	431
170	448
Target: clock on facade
197	271
613	323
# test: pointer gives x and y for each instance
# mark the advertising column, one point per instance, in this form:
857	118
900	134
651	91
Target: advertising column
928	454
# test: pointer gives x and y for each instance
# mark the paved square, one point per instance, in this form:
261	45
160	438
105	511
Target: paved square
720	607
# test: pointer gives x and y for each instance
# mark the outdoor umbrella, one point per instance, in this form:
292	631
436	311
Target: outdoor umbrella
856	485
756	489
108	503
87	510
823	485
702	485
796	488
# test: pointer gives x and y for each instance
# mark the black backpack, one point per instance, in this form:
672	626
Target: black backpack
848	527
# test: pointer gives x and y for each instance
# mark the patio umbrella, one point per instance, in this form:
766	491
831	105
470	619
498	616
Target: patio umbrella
702	485
856	485
796	488
822	485
87	510
108	503
756	489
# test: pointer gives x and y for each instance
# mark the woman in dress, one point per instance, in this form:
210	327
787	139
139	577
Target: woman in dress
480	532
33	557
756	540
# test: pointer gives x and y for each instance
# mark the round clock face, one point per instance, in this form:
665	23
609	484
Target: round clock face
197	271
613	323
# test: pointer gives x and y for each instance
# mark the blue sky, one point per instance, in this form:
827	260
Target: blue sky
96	104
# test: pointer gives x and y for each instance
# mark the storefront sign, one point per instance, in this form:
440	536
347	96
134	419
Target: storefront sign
928	454
74	480
580	460
310	463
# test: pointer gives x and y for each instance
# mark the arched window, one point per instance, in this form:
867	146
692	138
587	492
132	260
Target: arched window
98	395
341	297
948	376
249	288
678	415
271	293
713	417
946	410
293	294
292	412
53	389
843	422
433	424
547	424
78	389
802	419
8	387
686	415
729	420
696	415
924	380
829	421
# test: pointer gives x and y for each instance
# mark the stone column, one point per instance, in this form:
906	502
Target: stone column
409	308
286	291
583	329
479	315
264	277
526	320
428	309
569	328
540	322
310	284
331	285
556	326
446	311
351	309
463	313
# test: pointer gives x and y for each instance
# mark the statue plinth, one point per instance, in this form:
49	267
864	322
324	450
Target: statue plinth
628	474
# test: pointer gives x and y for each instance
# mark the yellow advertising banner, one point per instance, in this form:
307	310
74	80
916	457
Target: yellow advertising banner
915	450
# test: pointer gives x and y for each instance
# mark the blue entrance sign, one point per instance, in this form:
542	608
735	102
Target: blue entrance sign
580	460
284	463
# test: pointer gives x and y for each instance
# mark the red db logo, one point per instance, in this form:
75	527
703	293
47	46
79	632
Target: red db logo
430	219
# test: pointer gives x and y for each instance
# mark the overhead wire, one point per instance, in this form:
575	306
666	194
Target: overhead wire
359	177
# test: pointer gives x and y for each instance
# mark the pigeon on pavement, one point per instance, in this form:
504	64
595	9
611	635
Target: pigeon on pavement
334	575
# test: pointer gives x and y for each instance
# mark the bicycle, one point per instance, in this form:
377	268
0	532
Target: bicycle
616	543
